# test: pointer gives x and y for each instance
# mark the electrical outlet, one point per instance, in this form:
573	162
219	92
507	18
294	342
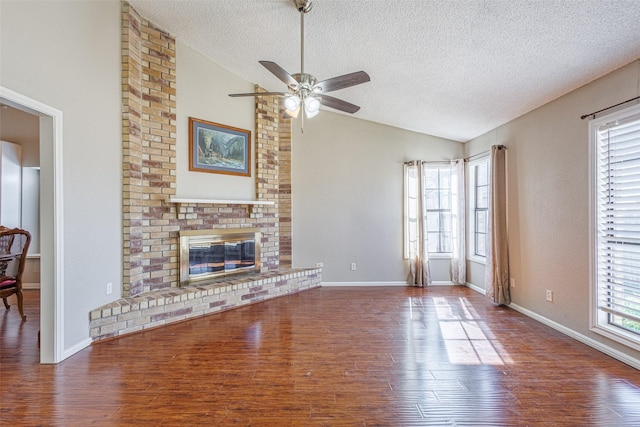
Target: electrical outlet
513	283
354	267
109	288
549	295
319	264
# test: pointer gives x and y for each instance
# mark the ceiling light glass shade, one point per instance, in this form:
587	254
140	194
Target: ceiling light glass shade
292	105
311	106
293	114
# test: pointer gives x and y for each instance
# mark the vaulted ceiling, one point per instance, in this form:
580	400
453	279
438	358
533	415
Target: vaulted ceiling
454	69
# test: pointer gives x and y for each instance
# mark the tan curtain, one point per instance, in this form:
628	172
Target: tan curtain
416	227
497	257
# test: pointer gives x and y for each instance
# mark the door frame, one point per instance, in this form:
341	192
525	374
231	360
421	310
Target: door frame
51	223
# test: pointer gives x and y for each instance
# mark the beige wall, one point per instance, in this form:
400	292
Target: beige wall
202	92
548	199
66	54
347	189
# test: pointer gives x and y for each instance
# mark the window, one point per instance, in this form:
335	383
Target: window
478	208
436	202
437	187
411	210
615	184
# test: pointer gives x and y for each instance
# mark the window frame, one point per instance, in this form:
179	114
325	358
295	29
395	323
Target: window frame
472	208
598	318
439	167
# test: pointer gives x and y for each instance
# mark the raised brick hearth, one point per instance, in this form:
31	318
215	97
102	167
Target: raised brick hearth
158	308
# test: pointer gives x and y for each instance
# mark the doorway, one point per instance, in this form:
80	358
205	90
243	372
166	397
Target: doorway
51	221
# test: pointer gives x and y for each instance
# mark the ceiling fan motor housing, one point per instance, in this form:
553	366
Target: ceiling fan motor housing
305	84
303	5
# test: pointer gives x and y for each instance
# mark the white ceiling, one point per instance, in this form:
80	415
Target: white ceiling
454	69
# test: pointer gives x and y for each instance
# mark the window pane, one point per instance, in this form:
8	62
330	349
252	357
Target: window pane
445	221
445	199
432	242
431	178
482	174
481	240
482	197
432	199
445	178
433	222
481	221
446	242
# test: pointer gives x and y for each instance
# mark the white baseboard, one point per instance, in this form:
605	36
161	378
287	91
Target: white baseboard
476	288
76	348
610	351
442	283
336	284
603	348
367	284
31	286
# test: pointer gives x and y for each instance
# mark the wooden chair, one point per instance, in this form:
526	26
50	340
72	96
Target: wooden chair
14	244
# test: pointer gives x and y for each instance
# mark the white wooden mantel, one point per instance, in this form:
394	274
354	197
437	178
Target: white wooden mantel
180	200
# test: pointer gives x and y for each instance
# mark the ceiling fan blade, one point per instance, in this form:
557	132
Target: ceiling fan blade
344	81
338	104
280	73
235	95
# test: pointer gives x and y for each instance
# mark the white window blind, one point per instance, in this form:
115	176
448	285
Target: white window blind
618	223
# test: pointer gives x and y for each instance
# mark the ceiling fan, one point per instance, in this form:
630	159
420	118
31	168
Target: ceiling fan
304	90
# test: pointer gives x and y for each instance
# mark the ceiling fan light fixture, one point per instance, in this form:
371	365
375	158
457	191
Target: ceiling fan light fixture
292	103
311	106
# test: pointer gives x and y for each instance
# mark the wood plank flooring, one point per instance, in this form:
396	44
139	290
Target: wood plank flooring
326	357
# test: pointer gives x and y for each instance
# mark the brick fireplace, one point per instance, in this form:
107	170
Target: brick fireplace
152	223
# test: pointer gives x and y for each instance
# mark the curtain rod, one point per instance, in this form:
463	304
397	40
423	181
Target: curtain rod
466	159
608	108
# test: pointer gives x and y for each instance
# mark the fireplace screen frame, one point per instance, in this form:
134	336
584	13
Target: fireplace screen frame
216	236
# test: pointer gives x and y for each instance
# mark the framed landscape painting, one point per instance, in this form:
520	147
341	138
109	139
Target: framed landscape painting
217	148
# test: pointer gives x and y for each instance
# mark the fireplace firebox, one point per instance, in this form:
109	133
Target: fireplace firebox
208	254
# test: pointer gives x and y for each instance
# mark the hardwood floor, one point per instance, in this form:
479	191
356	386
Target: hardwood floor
329	356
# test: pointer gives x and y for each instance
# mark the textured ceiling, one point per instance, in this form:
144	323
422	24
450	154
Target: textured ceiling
454	69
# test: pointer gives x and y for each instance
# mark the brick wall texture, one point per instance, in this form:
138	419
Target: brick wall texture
151	223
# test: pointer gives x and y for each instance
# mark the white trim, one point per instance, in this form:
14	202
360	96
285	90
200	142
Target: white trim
179	200
39	108
371	284
477	259
364	284
76	348
440	255
476	288
603	348
31	286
